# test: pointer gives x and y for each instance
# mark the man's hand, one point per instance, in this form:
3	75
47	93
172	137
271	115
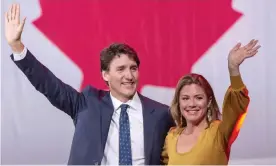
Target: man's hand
238	54
14	28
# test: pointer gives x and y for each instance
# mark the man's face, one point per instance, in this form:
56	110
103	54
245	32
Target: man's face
122	77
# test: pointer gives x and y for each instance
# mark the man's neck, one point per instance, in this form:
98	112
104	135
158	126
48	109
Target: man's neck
121	98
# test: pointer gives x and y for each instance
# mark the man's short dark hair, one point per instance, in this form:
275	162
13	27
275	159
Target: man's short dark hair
116	49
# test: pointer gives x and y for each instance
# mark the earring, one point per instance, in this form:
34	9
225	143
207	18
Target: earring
209	115
181	121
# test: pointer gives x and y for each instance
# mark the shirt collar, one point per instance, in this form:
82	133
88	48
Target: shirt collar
134	103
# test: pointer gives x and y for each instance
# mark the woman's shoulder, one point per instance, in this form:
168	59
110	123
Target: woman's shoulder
175	131
172	129
213	127
215	123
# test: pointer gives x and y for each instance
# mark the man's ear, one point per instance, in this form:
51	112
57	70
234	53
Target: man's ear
105	75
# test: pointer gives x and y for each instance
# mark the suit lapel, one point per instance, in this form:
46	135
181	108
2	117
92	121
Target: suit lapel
106	109
149	126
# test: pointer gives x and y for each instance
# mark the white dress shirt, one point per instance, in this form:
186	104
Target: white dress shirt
21	55
111	151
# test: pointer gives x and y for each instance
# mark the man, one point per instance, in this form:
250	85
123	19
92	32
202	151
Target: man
116	127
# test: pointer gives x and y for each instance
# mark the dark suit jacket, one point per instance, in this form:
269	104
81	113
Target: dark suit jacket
91	111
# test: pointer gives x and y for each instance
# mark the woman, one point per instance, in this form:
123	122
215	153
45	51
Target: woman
199	137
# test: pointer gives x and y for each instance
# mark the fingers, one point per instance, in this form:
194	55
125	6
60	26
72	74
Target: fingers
236	47
252	48
253	51
6	17
17	12
10	13
13	11
21	26
246	47
256	48
251	44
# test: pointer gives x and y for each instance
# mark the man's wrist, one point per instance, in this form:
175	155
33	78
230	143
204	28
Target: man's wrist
17	47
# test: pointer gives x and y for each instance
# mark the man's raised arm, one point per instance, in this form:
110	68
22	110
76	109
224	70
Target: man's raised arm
61	95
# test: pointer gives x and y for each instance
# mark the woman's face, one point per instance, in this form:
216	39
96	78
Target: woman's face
193	103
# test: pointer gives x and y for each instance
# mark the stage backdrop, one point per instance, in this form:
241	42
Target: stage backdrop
172	37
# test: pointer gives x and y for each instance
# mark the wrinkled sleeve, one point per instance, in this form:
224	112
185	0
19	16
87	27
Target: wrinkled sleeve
236	101
60	94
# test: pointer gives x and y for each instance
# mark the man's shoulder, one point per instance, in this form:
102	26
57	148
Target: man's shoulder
93	91
153	103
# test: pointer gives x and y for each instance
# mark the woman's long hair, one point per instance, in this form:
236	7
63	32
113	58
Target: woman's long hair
213	112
